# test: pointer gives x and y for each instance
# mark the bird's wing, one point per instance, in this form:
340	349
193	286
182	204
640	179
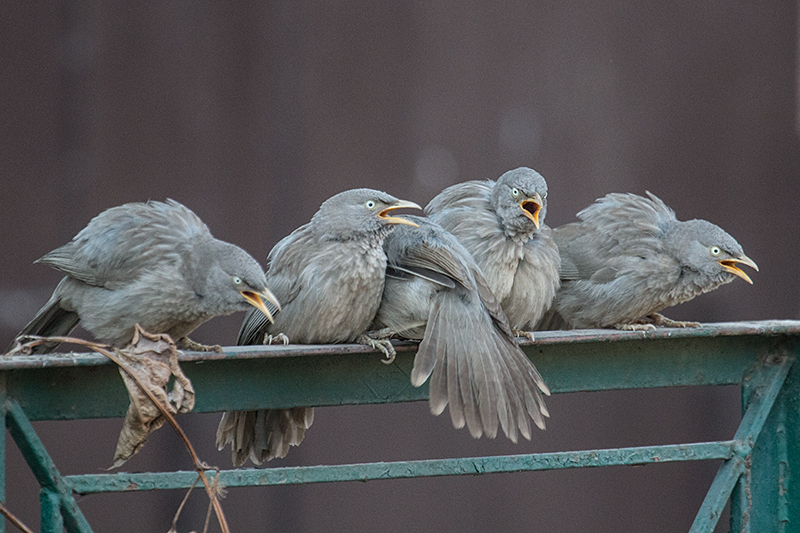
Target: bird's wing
122	241
286	261
470	194
615	234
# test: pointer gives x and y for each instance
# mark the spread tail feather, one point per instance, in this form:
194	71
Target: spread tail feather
264	434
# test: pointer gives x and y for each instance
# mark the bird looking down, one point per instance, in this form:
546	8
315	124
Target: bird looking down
435	292
502	225
629	257
152	263
328	275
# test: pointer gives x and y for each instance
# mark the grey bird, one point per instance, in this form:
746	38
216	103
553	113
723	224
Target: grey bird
629	257
435	292
155	264
502	225
328	275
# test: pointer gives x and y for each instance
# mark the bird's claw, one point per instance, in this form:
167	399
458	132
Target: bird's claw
660	320
521	333
280	338
385	346
185	343
635	327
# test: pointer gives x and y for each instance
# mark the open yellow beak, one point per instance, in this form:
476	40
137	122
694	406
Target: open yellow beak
400	204
531	208
255	299
729	265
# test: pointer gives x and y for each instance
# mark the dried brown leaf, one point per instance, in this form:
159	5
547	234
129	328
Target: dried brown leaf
153	359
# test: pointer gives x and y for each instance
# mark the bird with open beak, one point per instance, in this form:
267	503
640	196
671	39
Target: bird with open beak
502	225
152	263
329	277
629	257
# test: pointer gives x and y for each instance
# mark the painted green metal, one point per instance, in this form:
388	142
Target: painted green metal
3	446
756	464
87	484
43	467
52	520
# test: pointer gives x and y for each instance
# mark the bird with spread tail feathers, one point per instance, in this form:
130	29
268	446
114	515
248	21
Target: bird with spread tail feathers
152	263
629	257
502	225
328	275
435	292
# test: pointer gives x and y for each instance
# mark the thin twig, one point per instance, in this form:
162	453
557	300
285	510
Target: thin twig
198	465
16	522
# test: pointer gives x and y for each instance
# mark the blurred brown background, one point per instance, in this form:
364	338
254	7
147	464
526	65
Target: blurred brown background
253	114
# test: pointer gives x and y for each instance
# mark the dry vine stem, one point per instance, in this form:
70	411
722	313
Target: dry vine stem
107	351
16	522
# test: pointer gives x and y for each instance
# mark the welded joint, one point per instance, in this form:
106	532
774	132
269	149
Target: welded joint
743	448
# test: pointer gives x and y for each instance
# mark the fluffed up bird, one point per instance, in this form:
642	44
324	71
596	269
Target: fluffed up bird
435	292
155	264
502	225
328	275
629	257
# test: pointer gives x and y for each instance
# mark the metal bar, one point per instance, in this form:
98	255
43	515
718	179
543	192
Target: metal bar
87	484
42	466
766	385
50	504
63	387
3	446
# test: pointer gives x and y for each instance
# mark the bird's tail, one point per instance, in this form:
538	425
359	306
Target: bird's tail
552	321
51	320
263	434
478	369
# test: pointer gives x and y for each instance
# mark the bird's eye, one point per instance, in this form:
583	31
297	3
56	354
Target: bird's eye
237	280
514	192
370	204
715	251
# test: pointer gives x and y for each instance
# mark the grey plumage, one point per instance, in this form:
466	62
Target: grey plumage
435	292
629	257
502	225
153	263
328	275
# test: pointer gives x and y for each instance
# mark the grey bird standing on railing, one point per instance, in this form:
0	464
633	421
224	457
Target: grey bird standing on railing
153	263
629	258
328	275
502	225
435	292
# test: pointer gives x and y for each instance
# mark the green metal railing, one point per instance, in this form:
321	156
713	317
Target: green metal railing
757	462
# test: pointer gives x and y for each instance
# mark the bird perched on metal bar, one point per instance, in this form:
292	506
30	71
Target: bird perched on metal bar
328	275
152	263
435	292
629	257
502	225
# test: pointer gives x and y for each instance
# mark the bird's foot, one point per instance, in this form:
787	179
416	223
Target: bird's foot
185	343
384	345
660	320
521	333
635	327
280	338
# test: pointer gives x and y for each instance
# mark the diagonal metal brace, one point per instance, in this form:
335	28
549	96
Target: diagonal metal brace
770	377
43	467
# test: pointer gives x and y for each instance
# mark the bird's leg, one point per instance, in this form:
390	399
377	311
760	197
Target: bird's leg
635	326
660	320
383	345
522	333
280	338
185	343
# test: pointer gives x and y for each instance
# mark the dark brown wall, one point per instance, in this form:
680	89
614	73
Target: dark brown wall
253	114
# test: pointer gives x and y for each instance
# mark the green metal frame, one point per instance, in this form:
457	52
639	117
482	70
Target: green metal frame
757	462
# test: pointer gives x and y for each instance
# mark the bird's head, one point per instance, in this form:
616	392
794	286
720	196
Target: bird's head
520	199
357	212
708	250
235	282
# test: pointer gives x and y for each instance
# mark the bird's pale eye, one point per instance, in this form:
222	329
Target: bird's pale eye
715	251
369	204
514	192
237	280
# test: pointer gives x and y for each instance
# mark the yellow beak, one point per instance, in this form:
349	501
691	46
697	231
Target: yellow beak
255	299
400	204
729	265
531	207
